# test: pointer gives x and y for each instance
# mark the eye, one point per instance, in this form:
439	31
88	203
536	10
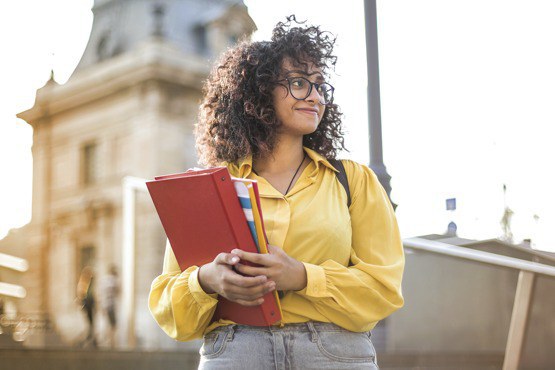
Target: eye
297	83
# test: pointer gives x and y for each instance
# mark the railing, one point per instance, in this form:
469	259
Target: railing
523	296
16	264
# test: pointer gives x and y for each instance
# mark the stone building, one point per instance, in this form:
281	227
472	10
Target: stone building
127	110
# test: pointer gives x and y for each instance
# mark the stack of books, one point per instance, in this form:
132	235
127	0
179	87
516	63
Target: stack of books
207	212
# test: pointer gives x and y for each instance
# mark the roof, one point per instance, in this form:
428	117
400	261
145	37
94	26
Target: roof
120	26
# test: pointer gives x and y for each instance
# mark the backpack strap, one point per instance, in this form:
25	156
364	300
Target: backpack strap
342	177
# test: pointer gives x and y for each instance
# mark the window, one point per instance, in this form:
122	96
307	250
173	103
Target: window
102	48
201	39
90	166
232	39
86	257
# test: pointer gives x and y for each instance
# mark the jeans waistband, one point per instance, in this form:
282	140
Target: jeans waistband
309	326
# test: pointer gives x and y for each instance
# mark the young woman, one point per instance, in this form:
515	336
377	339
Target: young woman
268	115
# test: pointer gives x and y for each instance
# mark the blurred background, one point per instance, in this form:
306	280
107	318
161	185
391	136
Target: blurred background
99	95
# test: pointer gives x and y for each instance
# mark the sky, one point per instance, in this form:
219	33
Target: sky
467	92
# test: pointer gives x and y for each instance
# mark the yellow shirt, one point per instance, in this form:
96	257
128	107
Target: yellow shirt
353	256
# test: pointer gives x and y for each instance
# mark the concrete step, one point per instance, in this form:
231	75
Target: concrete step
75	359
443	361
79	359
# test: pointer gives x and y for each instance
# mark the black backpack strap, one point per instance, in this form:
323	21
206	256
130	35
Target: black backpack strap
342	177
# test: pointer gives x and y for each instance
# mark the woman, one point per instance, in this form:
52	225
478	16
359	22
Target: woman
268	115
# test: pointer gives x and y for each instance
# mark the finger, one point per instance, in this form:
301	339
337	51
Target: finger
250	294
256	302
227	259
272	249
251	270
234	278
261	259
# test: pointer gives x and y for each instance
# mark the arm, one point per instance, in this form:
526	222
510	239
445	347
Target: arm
369	289
182	303
178	303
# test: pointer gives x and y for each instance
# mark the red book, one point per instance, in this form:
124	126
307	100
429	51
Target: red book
202	217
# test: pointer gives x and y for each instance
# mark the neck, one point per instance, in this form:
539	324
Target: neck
285	157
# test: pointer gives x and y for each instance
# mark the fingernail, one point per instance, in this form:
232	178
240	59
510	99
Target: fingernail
235	259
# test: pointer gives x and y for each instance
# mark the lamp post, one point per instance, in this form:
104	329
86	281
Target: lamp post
374	108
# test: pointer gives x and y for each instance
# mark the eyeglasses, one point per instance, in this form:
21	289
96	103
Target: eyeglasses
300	89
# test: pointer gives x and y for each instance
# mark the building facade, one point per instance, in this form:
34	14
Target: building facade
128	110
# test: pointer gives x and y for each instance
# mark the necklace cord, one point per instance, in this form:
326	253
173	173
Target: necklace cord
297	171
295	175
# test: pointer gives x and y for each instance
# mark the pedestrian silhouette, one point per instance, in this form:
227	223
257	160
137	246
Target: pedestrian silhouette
109	291
85	295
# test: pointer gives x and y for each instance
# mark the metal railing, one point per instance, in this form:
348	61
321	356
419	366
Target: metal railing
524	289
16	264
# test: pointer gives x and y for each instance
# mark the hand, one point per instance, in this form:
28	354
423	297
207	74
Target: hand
218	277
287	272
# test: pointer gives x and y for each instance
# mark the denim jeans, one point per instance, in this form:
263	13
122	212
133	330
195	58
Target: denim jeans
311	345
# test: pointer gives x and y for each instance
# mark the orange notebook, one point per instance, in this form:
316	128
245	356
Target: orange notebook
202	217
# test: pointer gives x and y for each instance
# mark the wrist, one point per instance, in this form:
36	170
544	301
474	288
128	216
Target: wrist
302	278
203	279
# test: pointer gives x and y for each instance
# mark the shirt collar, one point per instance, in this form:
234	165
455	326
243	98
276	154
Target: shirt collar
244	168
317	159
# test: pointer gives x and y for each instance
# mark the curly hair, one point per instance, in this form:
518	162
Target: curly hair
237	116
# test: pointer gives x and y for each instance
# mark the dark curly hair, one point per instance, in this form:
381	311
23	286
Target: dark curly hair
237	116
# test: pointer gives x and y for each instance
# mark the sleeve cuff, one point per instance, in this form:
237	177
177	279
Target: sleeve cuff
315	281
200	296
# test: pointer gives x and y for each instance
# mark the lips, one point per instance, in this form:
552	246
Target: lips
308	110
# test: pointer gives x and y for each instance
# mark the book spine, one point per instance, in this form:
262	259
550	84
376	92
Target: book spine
243	191
234	212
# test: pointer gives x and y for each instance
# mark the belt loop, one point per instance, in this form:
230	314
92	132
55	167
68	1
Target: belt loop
313	332
231	332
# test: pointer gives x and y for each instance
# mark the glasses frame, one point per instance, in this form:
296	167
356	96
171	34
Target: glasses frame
312	84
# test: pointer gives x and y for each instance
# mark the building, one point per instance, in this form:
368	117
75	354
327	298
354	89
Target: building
127	110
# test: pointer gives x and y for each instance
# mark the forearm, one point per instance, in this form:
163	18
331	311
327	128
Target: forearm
180	306
355	296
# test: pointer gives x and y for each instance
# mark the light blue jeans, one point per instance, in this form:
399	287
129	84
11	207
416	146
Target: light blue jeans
311	345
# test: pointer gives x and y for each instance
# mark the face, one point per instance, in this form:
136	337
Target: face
298	117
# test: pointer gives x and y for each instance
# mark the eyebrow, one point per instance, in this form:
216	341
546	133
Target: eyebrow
301	72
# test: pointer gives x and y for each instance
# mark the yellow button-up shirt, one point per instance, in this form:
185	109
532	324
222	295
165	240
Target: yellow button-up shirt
353	256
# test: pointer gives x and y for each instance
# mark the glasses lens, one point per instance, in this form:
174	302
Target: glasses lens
326	92
299	87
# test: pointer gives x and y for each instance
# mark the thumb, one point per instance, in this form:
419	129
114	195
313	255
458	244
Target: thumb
272	249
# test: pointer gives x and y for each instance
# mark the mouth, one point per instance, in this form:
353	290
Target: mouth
311	111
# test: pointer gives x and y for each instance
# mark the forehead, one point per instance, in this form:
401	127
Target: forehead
287	66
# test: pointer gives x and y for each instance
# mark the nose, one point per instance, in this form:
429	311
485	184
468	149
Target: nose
314	96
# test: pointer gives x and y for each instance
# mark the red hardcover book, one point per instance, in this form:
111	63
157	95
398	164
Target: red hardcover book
202	217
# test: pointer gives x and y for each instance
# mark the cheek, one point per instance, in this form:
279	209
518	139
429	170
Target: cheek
280	94
322	115
279	101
